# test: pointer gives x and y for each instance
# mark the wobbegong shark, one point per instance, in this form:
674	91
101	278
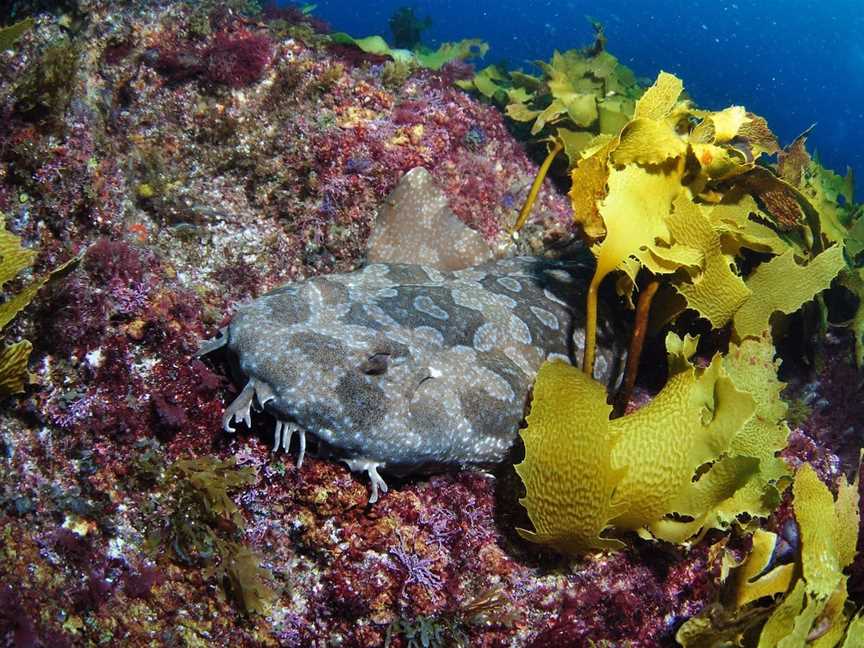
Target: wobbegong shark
424	358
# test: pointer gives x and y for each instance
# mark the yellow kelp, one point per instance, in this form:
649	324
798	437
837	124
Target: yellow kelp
13	357
568	470
695	450
673	193
812	609
15	259
782	285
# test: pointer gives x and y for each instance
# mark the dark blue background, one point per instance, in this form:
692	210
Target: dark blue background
795	62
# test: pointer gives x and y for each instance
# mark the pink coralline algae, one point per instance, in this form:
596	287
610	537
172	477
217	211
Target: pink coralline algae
626	598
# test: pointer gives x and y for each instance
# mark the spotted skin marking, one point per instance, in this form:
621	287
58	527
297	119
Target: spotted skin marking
403	367
546	318
509	283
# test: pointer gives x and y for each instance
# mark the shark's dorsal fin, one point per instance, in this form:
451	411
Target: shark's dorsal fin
415	225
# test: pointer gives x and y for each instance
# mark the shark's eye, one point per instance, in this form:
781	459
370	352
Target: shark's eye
375	365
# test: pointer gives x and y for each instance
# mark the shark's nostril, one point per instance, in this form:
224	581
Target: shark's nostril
375	365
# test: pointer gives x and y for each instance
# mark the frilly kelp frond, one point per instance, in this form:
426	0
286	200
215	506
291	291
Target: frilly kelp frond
687	426
13	367
854	281
567	471
771	601
757	576
431	59
14	259
703	448
782	285
578	95
829	530
677	192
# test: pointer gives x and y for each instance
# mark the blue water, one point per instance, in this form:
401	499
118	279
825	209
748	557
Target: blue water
795	62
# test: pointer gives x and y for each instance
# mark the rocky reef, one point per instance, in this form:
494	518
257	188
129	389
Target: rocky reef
164	162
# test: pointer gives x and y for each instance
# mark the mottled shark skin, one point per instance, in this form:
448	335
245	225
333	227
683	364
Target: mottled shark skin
415	225
407	367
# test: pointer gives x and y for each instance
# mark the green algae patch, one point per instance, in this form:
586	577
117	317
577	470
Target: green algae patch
449	52
580	93
854	281
48	83
212	479
205	529
10	35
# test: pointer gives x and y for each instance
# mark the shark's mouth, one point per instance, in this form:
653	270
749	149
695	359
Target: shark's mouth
256	394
